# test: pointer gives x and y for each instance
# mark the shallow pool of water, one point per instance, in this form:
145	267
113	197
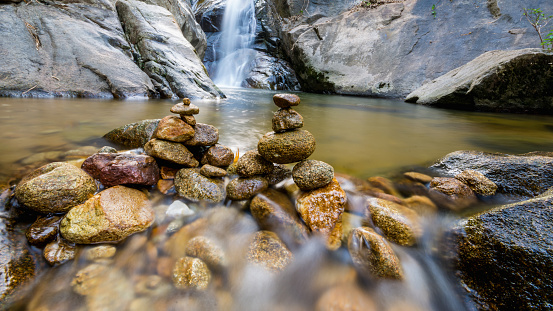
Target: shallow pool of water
358	136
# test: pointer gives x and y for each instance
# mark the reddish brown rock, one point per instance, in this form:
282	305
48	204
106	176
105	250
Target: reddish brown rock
218	155
451	193
123	169
321	208
190	120
286	100
477	182
43	230
173	128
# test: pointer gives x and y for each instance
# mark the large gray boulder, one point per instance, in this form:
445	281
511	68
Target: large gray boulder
504	256
182	12
513	81
67	48
521	176
394	48
270	73
166	56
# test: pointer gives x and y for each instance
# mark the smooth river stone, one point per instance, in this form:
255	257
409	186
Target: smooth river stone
347	297
134	135
243	188
286	100
286	119
110	216
171	151
55	188
451	193
208	251
321	208
58	252
399	224
173	128
205	135
193	186
218	155
212	171
191	273
287	147
185	110
312	174
252	163
372	255
476	181
43	230
268	251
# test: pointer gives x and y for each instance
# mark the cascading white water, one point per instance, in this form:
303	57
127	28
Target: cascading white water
239	25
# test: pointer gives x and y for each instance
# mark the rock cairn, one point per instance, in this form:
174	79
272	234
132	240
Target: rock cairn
189	155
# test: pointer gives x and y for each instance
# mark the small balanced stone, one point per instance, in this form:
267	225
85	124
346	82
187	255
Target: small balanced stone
286	100
286	119
186	110
186	101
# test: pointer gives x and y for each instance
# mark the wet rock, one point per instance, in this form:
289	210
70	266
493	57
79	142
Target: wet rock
108	289
58	252
286	100
218	155
399	224
209	15
109	216
274	211
191	273
383	184
270	73
350	221
176	245
419	177
477	182
205	135
107	149
55	188
420	204
196	187
170	151
185	109
372	255
524	175
190	120
205	249
43	230
286	119
243	188
321	208
280	173
100	252
288	147
119	169
168	172
178	209
252	163
134	135
347	297
88	278
212	171
268	251
173	129
504	256
312	174
451	193
166	186
334	240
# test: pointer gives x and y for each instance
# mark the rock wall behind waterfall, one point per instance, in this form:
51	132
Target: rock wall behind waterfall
394	48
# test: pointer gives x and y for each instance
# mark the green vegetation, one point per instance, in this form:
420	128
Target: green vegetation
434	10
539	20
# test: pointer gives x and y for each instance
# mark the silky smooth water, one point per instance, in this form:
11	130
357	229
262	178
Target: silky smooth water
358	136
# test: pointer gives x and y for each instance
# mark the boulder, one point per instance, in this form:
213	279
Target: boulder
190	184
114	169
267	251
451	193
510	81
372	255
110	216
504	256
274	211
205	135
166	56
312	174
173	128
191	273
209	14
477	182
243	188
399	224
67	50
134	135
321	208
286	119
270	73
170	151
523	175
55	188
252	163
288	147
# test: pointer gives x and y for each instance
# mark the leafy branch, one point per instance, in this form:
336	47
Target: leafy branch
538	20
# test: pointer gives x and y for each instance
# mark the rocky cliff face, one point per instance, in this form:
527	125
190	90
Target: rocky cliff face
395	47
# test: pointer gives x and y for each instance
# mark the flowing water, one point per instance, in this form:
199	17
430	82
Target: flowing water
358	136
238	34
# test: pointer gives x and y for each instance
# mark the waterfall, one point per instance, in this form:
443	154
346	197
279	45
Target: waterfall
237	37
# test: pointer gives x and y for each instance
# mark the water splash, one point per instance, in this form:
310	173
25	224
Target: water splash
239	25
